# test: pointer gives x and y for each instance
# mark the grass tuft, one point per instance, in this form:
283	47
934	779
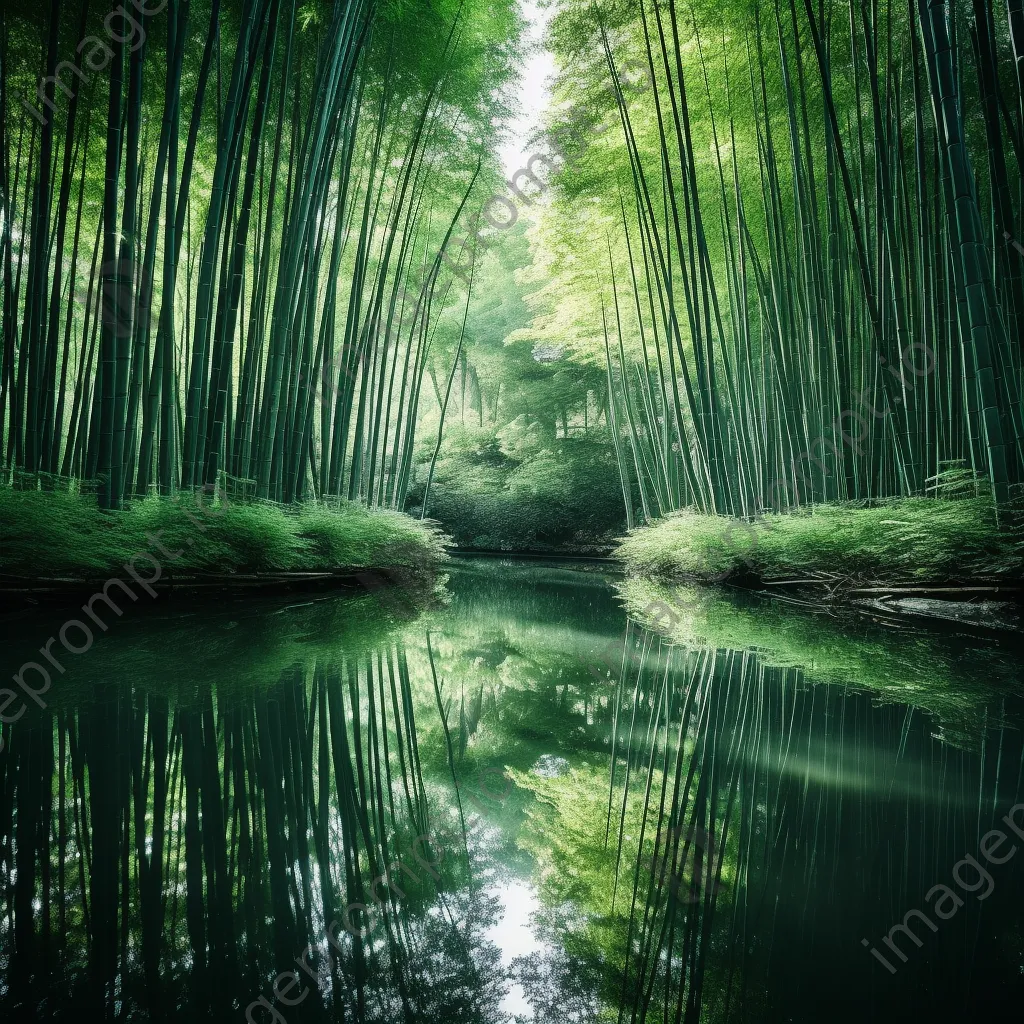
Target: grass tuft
908	540
62	534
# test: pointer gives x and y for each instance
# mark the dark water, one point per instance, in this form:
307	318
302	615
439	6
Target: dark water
455	813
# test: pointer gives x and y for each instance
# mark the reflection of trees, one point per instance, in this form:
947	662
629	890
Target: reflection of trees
162	854
753	829
167	850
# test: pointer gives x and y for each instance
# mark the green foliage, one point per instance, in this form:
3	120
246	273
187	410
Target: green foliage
685	544
763	140
907	540
526	460
54	533
333	143
223	538
351	534
518	488
64	534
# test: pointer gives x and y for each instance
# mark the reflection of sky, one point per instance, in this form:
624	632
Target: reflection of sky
513	934
531	95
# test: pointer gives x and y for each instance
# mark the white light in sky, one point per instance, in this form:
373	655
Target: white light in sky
532	94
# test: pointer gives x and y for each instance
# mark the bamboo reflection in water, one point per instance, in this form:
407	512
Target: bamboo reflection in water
160	858
781	822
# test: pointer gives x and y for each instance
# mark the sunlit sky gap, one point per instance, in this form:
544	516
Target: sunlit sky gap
533	93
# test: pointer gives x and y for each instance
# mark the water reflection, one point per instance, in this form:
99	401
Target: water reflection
216	799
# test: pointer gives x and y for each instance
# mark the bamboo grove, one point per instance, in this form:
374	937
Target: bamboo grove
225	234
809	279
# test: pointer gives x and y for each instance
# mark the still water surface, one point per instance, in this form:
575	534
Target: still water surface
460	813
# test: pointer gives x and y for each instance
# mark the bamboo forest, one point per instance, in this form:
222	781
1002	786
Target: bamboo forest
511	511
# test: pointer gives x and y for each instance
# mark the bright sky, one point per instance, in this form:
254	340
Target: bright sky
533	94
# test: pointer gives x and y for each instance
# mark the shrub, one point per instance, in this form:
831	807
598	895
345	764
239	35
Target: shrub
519	489
903	540
54	533
64	534
353	535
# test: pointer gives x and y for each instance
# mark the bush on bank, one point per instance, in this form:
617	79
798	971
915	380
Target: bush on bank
519	488
909	540
63	534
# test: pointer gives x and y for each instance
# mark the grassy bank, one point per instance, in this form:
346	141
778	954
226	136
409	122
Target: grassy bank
911	541
62	534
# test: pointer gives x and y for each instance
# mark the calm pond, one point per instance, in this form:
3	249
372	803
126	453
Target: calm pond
349	808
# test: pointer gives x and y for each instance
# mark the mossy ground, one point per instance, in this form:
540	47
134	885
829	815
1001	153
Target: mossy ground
909	541
63	534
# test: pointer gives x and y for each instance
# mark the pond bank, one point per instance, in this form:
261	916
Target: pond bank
939	548
59	542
